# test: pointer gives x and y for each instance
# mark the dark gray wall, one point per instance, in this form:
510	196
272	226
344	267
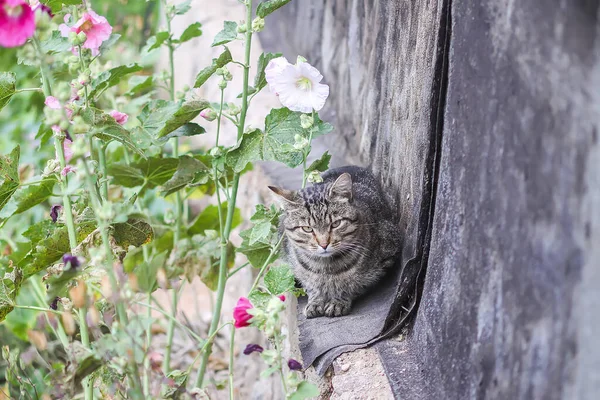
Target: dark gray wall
510	307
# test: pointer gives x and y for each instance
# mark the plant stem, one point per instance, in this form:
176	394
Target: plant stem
85	340
37	309
178	203
59	331
102	165
58	145
231	342
231	203
262	270
170	317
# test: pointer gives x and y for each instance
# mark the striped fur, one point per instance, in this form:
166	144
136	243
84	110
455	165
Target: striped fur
340	238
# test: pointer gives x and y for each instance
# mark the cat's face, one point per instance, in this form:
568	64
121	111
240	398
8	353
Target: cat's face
321	220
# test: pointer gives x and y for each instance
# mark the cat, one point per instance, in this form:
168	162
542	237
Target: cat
340	238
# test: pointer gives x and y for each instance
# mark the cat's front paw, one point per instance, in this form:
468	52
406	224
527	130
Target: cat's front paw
314	308
337	308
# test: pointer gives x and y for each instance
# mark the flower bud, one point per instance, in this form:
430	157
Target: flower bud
233	109
81	37
314	177
222	84
79	125
306	121
300	59
93	317
300	142
73	38
78	294
38	339
83	79
241	27
258	24
208	114
68	323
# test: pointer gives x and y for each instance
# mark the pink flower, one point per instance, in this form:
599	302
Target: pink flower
96	28
120	117
68	152
17	22
240	313
281	297
68	168
52	102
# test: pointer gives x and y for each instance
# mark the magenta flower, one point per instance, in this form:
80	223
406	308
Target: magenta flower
120	117
68	169
251	348
281	297
96	28
208	114
240	313
17	22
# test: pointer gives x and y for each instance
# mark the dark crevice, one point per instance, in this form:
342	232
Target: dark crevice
413	272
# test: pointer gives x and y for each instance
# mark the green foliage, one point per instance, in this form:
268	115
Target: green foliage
228	34
9	175
8	82
208	219
161	117
9	289
305	390
154	42
111	78
277	142
258	241
267	7
189	170
224	59
150	172
107	129
320	164
260	80
57	5
192	31
56	44
280	279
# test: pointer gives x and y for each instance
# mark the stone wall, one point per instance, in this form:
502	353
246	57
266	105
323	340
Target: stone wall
497	178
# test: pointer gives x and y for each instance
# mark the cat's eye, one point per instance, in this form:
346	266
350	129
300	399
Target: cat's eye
337	223
307	229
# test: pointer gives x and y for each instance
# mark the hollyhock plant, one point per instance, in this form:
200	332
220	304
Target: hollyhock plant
240	313
54	210
96	28
52	102
294	365
297	86
120	117
17	22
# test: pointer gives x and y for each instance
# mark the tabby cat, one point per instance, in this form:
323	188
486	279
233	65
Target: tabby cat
340	238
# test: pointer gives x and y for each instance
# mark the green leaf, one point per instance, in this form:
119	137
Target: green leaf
51	249
107	129
260	80
161	117
154	171
56	43
190	32
187	170
280	279
29	196
57	5
209	219
135	232
228	34
40	231
259	298
189	129
9	289
183	7
44	134
305	390
110	78
249	149
321	164
267	7
9	175
257	253
140	83
8	86
224	59
146	272
154	42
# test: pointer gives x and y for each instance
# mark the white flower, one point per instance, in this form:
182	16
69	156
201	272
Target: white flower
297	85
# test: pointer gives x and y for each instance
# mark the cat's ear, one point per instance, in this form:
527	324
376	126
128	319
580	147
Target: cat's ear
285	197
341	188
